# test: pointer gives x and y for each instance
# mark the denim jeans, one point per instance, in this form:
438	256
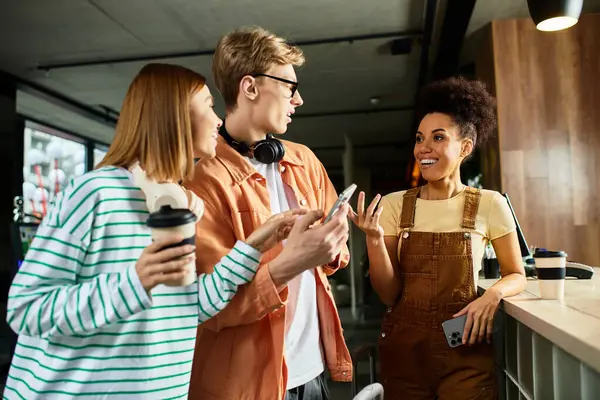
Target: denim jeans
312	390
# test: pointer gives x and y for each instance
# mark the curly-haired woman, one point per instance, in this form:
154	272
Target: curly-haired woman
425	248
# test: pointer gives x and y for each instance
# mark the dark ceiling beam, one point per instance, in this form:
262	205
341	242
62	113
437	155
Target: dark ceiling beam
109	111
66	102
454	28
353	112
430	9
198	53
112	112
429	25
370	146
390	166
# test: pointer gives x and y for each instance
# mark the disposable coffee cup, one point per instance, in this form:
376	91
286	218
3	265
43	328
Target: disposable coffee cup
167	222
550	268
491	268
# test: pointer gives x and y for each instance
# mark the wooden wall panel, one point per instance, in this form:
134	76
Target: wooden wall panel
548	90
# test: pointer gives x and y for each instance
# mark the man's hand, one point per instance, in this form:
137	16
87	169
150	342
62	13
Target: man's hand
274	230
309	246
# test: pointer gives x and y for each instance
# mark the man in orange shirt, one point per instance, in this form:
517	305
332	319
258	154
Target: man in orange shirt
280	331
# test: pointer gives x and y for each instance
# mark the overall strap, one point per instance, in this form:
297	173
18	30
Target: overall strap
472	197
409	201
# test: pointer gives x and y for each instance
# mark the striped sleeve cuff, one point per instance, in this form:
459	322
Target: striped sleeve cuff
134	297
240	265
250	252
216	290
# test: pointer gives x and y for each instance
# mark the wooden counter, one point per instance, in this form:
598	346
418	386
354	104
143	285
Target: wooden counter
551	348
572	324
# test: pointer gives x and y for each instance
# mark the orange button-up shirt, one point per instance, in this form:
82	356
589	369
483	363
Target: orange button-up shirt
240	352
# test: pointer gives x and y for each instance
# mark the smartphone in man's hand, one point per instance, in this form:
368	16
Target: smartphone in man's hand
342	199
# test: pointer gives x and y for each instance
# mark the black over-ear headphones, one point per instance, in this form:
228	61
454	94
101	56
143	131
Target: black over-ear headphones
266	151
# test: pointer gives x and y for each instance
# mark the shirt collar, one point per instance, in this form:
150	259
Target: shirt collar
239	168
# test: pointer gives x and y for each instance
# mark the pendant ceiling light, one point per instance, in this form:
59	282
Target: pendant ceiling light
554	15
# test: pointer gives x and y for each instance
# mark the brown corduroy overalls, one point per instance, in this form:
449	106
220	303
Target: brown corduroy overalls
436	270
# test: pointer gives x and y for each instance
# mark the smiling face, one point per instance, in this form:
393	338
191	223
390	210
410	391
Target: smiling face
276	101
440	149
205	124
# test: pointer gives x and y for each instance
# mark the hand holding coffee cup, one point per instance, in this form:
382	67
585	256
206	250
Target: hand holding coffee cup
550	269
176	228
161	263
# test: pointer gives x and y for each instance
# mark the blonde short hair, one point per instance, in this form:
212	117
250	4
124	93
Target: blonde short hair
249	51
154	126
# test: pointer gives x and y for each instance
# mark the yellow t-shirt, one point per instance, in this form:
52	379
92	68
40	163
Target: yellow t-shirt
494	219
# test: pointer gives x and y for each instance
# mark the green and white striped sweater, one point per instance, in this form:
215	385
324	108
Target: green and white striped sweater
87	328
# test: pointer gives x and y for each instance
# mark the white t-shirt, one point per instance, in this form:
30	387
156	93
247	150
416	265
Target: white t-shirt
303	352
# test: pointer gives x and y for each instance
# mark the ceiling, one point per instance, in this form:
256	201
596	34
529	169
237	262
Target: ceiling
337	82
487	10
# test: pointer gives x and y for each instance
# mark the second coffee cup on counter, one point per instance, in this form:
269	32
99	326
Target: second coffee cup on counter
169	221
550	267
491	267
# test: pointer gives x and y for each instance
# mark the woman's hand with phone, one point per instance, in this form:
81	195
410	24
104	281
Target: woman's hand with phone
368	221
480	317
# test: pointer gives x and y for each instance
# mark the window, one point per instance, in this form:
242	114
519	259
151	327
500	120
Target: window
52	158
99	153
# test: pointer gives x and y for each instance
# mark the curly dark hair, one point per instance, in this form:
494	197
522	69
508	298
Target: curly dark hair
467	102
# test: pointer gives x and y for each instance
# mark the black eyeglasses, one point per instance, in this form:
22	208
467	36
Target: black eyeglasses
294	85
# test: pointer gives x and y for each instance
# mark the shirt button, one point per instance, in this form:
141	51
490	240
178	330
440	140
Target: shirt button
467	235
282	169
383	334
344	373
389	310
302	202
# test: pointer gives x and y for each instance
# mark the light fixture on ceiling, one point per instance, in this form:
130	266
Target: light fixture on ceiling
554	15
